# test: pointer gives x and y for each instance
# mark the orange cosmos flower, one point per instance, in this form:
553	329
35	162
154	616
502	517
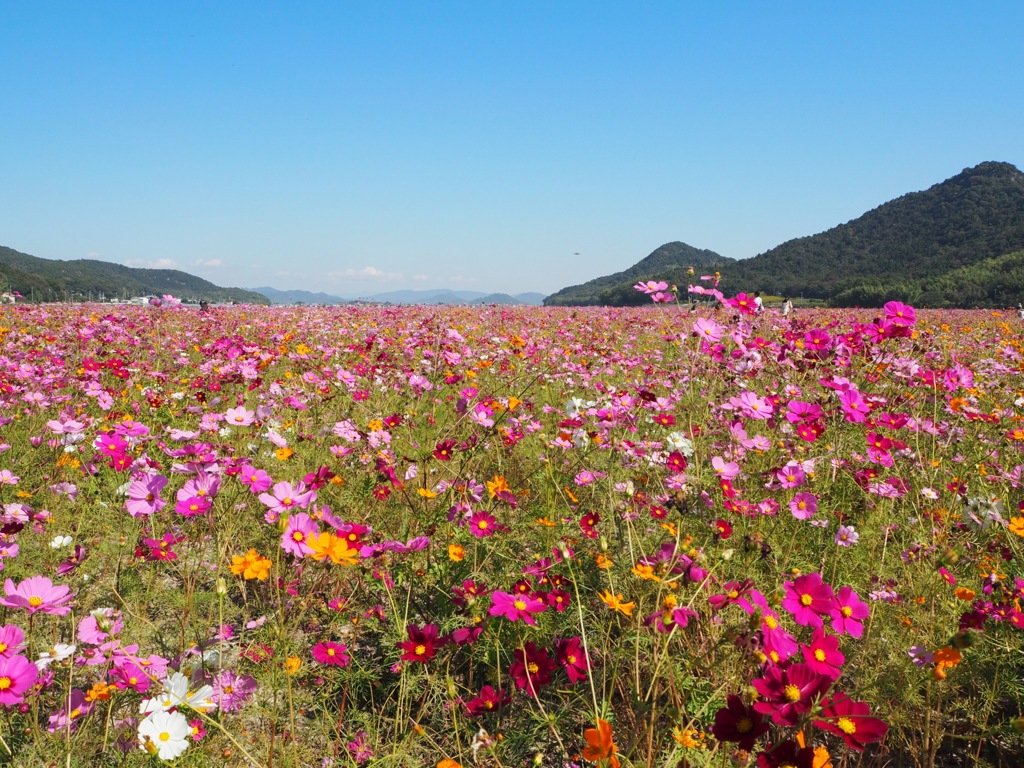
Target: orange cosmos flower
497	485
337	548
251	565
600	747
615	602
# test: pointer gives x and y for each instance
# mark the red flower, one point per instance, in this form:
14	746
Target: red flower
422	645
740	723
849	719
489	700
532	667
788	754
443	450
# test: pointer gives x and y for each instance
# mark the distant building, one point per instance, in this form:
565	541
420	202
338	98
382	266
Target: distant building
8	298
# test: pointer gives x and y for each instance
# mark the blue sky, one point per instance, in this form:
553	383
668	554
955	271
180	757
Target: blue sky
360	147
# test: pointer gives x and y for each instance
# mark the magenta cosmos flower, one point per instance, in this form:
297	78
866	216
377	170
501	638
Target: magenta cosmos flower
808	599
144	495
295	539
331	654
848	611
788	693
515	607
823	655
17	675
38	593
849	719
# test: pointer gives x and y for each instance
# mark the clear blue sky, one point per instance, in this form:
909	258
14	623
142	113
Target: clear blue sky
360	147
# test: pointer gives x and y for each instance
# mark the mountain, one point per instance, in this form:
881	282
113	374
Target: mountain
54	280
298	297
670	262
954	244
533	299
895	249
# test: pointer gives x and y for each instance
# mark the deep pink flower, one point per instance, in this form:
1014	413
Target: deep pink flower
12	639
17	674
849	719
898	313
804	505
482	524
38	593
332	654
808	599
516	607
823	655
848	611
788	693
231	690
573	657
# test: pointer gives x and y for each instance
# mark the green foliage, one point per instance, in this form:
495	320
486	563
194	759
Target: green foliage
669	263
55	280
957	244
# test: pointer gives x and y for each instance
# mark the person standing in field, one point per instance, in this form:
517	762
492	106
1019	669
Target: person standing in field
758	303
787	307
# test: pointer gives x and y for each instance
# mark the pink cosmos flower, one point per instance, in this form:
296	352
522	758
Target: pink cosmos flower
855	407
808	599
804	505
231	690
239	417
515	607
708	330
848	611
791	476
726	470
257	480
12	639
38	593
17	675
482	524
144	495
295	539
898	313
287	497
651	286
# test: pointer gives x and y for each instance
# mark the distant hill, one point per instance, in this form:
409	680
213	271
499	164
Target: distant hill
532	299
669	262
298	297
899	249
958	243
55	280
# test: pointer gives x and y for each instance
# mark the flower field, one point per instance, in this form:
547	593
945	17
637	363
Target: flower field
511	536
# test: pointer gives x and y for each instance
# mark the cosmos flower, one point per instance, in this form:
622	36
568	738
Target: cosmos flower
37	594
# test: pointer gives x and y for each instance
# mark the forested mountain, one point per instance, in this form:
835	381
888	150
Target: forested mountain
669	262
954	244
55	280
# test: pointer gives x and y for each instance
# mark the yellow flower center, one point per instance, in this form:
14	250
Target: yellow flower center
770	622
733	595
421	650
847	611
5	683
35	601
533	668
744	725
164	736
792	693
846	725
819	654
571	659
806	600
3	647
519	605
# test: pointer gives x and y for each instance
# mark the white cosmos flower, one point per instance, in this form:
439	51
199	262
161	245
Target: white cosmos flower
176	693
164	734
59	542
59	652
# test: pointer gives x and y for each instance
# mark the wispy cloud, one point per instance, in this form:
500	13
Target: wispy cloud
154	264
208	263
366	273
